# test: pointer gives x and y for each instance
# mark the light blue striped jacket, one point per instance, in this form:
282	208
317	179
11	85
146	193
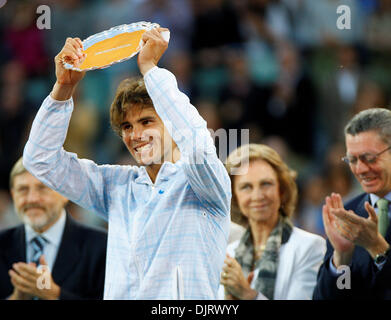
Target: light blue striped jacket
166	240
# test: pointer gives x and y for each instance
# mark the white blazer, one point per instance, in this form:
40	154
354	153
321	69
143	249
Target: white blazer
299	262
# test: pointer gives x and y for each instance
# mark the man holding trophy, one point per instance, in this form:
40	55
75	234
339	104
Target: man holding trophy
169	217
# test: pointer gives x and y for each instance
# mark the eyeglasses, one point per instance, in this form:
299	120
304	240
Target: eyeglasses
367	158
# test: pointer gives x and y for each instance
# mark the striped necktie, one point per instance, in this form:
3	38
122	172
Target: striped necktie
38	244
383	221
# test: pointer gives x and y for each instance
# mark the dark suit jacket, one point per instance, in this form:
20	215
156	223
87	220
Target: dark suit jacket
367	282
79	268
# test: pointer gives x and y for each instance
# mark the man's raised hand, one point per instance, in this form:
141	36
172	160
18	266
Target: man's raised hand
343	248
153	49
67	80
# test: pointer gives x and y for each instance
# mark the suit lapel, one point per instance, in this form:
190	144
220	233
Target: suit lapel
68	252
17	250
361	211
388	233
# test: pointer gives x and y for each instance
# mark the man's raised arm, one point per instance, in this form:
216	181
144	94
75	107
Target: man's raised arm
206	173
80	180
67	80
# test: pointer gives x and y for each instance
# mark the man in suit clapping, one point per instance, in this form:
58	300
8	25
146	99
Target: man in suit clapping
358	233
50	256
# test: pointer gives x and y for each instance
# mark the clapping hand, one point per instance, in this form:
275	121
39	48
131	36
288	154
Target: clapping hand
28	282
234	281
345	229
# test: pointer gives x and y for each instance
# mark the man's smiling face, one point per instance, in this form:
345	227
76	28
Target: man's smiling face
145	136
36	204
374	177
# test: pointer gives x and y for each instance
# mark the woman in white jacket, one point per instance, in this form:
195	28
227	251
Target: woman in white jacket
273	259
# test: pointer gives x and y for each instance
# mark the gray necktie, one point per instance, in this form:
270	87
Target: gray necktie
382	216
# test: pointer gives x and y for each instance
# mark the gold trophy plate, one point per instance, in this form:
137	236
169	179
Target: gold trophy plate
112	46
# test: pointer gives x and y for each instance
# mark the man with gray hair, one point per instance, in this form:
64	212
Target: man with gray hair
50	256
357	263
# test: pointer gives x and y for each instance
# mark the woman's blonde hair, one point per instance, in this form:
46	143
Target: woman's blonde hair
246	154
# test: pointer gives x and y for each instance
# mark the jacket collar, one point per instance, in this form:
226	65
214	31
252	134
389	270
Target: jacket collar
69	251
361	206
17	251
374	198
